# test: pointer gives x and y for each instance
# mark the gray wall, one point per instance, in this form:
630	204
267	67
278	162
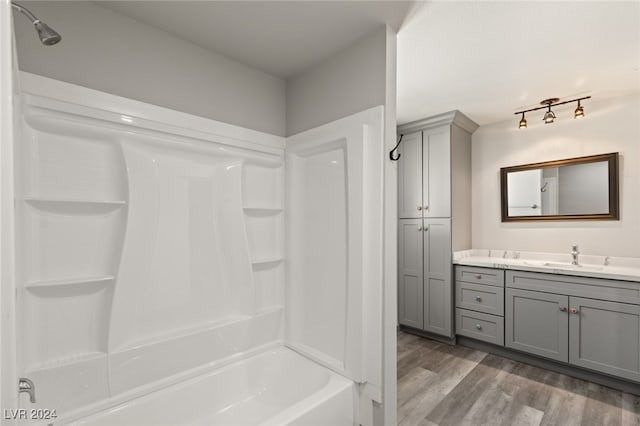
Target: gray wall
610	125
106	51
348	82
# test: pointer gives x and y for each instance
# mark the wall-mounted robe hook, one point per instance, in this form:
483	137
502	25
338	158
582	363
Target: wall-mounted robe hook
395	148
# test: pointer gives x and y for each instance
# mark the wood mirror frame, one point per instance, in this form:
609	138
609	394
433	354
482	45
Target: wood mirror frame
614	211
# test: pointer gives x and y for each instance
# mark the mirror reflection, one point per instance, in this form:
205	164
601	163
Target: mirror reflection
580	188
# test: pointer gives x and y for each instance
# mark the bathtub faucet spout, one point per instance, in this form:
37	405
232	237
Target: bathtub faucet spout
25	385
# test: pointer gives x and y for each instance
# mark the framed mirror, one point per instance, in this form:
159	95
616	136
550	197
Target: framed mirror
584	188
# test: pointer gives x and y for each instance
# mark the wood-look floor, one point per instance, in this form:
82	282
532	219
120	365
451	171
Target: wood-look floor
440	384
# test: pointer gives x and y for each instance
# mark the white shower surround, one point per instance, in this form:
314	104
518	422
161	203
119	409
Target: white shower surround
125	203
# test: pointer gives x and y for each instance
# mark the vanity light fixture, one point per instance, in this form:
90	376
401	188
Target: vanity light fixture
579	112
523	123
549	116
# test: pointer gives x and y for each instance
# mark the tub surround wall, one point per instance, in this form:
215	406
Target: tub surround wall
610	125
147	251
334	229
151	250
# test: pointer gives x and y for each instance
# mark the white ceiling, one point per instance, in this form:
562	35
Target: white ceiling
490	59
281	38
485	58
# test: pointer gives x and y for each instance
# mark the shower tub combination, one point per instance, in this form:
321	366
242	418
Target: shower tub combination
276	387
158	281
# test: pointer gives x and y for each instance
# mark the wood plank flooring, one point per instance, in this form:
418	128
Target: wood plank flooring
444	385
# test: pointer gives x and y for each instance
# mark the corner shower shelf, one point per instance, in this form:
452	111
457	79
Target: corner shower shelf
64	205
70	282
267	260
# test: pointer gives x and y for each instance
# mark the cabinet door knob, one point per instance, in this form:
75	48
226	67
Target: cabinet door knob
574	310
478	327
563	308
478	299
478	277
420	228
419	208
426	207
426	228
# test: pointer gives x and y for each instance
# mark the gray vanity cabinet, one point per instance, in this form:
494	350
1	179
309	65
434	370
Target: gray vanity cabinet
605	336
434	192
438	294
424	287
424	169
410	273
410	177
587	322
537	323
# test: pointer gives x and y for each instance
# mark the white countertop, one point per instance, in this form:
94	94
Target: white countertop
619	268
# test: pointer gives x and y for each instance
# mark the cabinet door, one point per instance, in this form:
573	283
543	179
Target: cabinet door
605	336
436	174
410	273
438	291
410	177
537	323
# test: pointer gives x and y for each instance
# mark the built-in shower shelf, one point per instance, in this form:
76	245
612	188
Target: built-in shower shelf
70	282
57	205
267	260
261	210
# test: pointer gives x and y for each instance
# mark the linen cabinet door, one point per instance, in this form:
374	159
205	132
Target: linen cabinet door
605	336
438	290
410	273
410	177
436	174
537	323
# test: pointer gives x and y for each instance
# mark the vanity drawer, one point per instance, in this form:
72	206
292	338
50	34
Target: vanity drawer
485	327
479	297
476	275
592	288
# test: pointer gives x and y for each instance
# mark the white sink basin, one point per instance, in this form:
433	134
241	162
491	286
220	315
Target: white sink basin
535	263
562	265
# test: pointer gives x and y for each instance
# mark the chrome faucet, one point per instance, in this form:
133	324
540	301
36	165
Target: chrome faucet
25	385
574	254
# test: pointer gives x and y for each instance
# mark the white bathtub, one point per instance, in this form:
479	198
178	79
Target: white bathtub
276	387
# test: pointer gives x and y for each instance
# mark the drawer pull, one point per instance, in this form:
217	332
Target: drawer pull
563	308
574	310
478	277
478	299
478	327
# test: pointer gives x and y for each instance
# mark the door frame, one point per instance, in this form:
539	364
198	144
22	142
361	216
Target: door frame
9	96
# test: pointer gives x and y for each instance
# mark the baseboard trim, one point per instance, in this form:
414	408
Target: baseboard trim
558	367
432	336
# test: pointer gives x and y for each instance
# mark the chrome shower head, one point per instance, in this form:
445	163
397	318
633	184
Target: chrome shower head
48	36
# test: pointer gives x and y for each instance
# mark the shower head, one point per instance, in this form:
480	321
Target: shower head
48	36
